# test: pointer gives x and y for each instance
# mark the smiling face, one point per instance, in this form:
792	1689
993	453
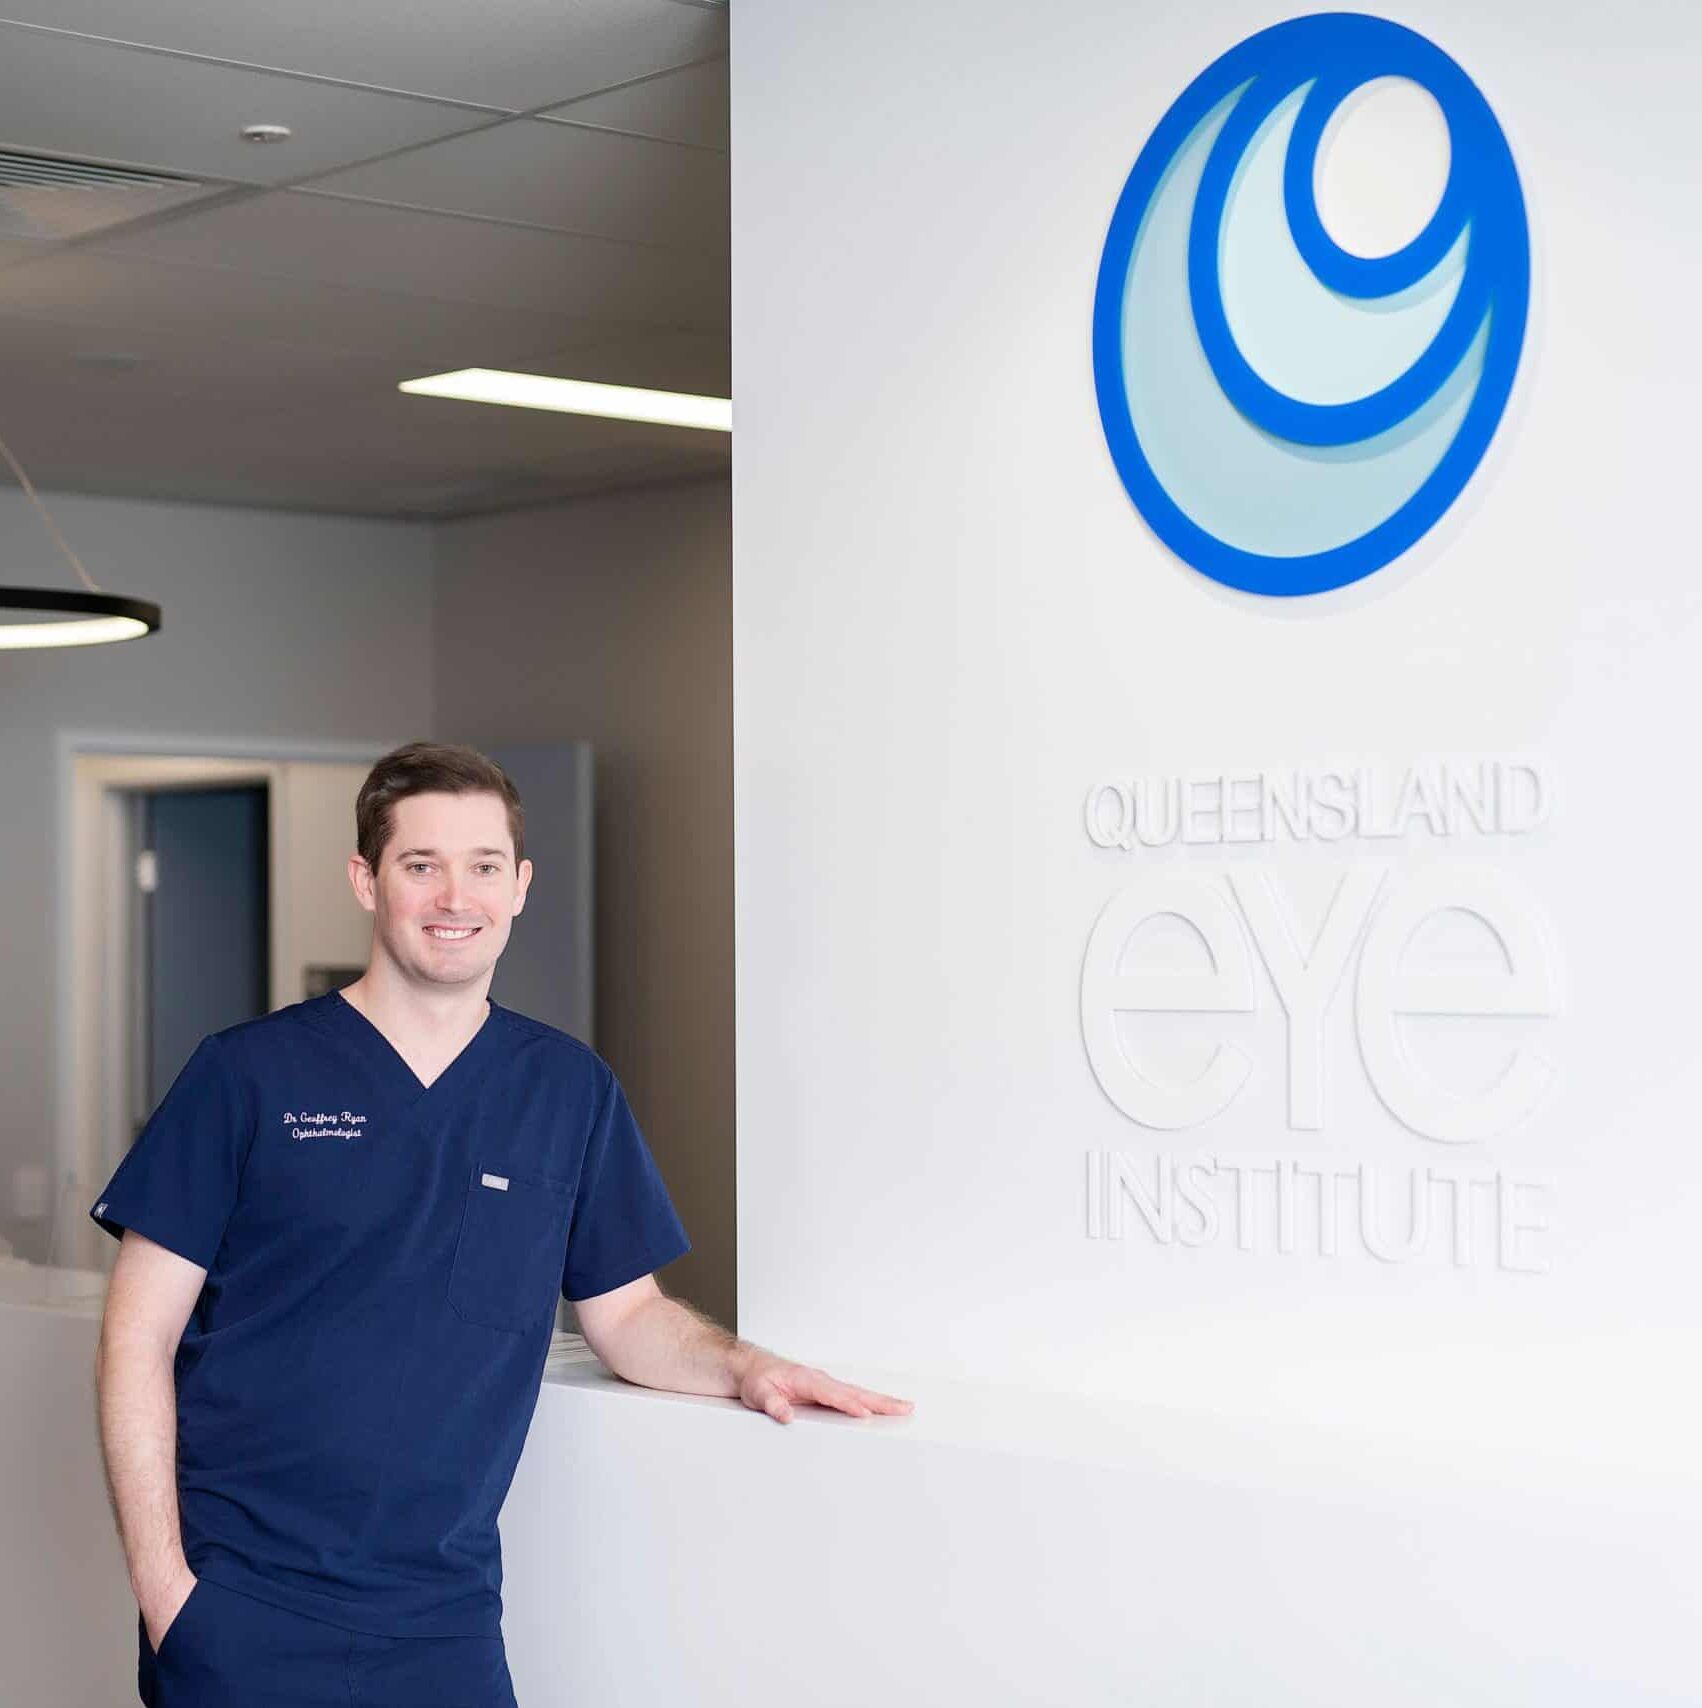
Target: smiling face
446	890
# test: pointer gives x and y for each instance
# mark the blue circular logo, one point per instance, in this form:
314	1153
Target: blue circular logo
1289	416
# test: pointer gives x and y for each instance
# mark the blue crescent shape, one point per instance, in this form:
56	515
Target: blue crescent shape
1257	488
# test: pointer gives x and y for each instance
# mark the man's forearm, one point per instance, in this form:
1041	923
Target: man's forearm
665	1343
137	1403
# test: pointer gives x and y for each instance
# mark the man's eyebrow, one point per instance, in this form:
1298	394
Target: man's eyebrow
501	853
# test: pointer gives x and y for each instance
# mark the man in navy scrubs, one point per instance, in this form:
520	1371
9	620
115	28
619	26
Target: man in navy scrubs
343	1235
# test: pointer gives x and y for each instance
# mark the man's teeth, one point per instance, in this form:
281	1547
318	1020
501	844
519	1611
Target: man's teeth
447	931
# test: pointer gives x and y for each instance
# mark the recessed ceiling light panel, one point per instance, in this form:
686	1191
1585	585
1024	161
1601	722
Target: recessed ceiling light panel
578	397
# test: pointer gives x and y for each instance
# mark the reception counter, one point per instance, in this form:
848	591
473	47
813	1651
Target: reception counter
995	1547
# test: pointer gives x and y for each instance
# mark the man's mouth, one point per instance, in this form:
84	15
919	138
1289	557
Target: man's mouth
451	933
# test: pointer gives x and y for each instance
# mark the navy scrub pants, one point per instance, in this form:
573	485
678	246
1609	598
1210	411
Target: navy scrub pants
228	1650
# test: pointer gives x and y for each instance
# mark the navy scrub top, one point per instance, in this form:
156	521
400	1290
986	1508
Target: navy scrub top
383	1260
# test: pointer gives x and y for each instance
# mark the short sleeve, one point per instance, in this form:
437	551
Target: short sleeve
624	1224
178	1182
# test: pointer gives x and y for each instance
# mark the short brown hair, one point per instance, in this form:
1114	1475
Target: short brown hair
430	768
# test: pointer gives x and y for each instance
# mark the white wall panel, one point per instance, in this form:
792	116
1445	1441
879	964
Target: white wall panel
952	623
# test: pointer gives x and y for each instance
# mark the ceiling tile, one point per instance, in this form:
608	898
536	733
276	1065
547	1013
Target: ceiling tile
45	212
115	300
248	351
588	181
111	368
36	353
519	55
16	249
68	95
607	469
231	364
689	105
330	241
389	455
699	363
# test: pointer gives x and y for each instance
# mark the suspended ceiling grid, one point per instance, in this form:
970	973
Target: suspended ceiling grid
530	185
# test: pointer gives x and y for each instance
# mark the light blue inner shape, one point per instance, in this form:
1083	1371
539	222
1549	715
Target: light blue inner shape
1243	486
1297	334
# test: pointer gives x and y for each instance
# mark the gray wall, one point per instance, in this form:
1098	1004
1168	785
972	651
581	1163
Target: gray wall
610	620
607	620
278	627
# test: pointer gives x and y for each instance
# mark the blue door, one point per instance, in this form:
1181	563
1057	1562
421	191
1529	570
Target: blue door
207	954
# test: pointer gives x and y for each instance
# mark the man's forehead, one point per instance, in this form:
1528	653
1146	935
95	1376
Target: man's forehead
438	853
464	823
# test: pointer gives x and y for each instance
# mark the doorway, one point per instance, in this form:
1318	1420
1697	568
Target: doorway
201	942
201	891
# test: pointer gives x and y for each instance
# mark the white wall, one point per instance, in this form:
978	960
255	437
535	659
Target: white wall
608	620
284	629
950	623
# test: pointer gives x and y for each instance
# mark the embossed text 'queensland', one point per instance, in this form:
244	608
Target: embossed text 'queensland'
1441	799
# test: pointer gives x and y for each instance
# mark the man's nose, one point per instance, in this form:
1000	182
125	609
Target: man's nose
451	893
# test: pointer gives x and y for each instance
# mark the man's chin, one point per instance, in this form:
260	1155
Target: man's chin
454	969
461	973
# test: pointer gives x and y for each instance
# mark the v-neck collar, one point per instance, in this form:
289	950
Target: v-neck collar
408	1084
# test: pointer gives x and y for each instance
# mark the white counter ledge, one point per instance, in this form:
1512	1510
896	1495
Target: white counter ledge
995	1547
1003	1546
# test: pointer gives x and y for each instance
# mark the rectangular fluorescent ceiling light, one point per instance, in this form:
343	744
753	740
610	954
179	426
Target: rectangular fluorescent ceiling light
578	397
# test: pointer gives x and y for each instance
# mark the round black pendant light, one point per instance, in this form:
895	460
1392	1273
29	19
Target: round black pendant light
46	616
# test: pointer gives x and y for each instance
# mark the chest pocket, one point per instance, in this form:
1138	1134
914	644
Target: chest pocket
508	1260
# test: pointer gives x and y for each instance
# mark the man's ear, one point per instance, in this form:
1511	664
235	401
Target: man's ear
360	876
523	883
